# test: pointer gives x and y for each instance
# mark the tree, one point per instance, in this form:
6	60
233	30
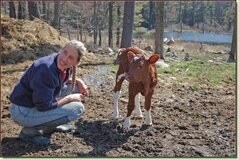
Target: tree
33	10
233	52
159	29
151	7
118	25
55	22
110	40
203	17
95	22
180	17
128	20
21	10
12	9
44	10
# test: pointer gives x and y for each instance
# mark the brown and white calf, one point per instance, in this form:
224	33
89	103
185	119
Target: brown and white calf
140	70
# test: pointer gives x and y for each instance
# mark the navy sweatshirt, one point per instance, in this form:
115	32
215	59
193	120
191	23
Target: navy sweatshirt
40	85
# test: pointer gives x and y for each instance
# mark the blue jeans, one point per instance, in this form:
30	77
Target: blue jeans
29	117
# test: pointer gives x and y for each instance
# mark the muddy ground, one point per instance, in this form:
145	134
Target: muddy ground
186	122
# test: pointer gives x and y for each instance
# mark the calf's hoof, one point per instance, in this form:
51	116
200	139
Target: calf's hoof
148	122
115	115
127	123
139	116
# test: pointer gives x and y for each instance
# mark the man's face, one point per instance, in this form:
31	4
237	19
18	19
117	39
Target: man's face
67	58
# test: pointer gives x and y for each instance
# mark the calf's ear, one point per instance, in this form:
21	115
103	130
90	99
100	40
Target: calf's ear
131	56
153	59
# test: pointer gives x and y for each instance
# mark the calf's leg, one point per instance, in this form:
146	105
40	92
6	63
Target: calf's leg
138	111
116	96
117	92
131	105
147	105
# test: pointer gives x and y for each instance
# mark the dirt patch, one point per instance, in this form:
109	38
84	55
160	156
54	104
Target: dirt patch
187	122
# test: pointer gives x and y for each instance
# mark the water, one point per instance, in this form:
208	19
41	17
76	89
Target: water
94	79
200	37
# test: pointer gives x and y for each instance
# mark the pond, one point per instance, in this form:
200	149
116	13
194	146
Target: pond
200	37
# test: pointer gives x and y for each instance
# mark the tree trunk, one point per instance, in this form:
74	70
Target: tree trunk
12	12
4	6
150	15
95	23
118	27
159	29
193	13
127	24
44	10
55	22
180	17
203	17
233	52
33	10
100	37
21	10
48	12
110	40
77	27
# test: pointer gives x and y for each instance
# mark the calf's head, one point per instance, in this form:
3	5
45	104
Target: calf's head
139	66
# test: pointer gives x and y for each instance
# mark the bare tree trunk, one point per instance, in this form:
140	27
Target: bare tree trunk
4	6
55	22
233	52
33	10
77	26
180	17
203	18
44	10
110	40
48	12
81	34
12	12
95	23
100	36
127	24
159	29
21	10
150	15
118	27
68	32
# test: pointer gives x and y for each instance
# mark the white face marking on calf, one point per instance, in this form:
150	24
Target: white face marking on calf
135	58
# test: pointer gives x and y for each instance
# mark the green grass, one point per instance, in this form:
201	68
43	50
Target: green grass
196	74
199	74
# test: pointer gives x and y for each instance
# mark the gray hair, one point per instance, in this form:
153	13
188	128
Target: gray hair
79	46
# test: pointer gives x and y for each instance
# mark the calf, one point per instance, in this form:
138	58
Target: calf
140	71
